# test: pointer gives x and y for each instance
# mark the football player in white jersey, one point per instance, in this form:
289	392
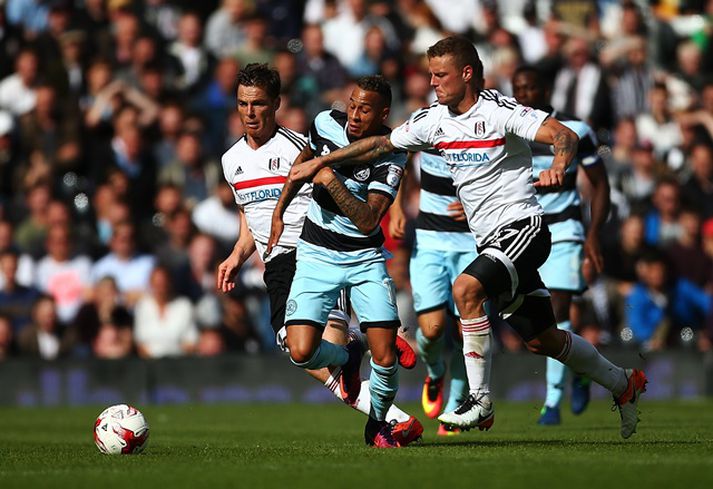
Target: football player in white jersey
256	167
483	136
562	272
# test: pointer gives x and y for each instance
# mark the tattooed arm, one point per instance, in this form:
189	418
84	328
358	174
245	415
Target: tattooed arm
358	152
366	216
289	190
564	140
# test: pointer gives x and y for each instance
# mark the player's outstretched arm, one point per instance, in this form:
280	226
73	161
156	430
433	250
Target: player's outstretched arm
600	204
289	190
357	153
243	249
366	216
564	140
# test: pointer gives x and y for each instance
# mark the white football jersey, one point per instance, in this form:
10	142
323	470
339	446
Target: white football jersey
257	176
487	153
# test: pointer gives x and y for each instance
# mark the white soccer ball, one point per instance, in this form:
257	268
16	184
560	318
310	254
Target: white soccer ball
121	430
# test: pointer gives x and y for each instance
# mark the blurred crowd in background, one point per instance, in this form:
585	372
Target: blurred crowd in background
114	115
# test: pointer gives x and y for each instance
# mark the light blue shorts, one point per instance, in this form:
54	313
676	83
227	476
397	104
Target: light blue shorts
316	287
563	268
432	275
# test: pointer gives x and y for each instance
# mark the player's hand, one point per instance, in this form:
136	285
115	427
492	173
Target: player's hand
276	230
456	211
323	176
593	253
305	171
397	223
550	178
225	280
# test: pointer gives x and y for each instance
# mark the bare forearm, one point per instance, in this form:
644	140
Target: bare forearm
600	205
359	152
564	143
360	213
292	187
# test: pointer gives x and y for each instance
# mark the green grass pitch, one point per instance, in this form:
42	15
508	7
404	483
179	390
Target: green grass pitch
295	446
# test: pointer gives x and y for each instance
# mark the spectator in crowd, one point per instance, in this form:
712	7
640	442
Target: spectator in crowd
52	132
660	305
685	255
61	274
659	126
17	91
25	274
216	101
104	308
210	343
170	124
9	157
634	82
315	62
164	324
581	89
191	170
43	337
130	269
31	232
114	339
661	224
194	61
698	189
637	182
225	30
7	346
255	48
217	216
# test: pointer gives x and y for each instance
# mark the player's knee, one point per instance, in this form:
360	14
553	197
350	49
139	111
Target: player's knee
385	358
300	352
468	292
432	330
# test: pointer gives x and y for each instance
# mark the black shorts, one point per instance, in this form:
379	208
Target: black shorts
278	276
507	262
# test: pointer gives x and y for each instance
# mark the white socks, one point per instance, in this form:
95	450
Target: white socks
363	404
581	356
477	354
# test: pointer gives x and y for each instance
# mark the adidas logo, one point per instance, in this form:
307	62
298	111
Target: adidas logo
472	354
439	132
239	171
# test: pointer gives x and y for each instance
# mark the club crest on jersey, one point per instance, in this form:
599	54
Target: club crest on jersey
361	173
393	177
480	128
274	164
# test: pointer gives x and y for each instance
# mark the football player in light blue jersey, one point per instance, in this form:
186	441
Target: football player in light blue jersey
444	246
571	245
341	247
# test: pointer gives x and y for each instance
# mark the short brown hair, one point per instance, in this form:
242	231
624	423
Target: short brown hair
463	52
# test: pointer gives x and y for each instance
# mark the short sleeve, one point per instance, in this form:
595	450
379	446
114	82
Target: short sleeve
312	136
386	175
587	153
414	134
511	117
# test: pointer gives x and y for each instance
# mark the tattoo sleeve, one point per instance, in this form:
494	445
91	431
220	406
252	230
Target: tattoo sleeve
365	215
291	187
360	152
564	142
